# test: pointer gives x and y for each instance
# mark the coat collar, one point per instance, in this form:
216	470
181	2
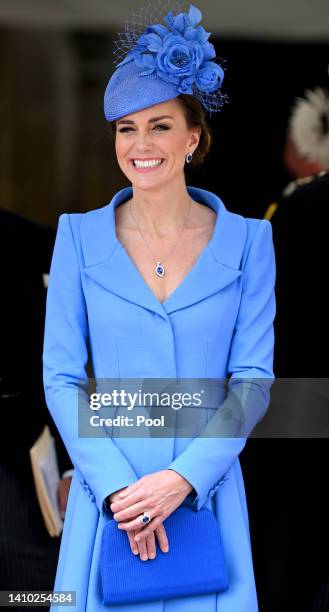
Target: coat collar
108	263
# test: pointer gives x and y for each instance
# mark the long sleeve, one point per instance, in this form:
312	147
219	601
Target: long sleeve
209	456
103	467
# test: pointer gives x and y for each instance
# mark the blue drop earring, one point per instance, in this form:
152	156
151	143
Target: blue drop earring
188	158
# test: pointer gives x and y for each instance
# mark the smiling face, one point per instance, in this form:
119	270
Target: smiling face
151	144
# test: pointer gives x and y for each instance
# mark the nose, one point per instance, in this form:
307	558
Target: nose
142	141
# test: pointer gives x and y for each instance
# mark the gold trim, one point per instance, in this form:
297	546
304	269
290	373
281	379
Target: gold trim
270	211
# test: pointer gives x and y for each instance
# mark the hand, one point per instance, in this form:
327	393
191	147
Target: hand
159	493
62	495
114	496
146	548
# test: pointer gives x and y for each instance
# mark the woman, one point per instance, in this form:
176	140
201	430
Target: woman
163	282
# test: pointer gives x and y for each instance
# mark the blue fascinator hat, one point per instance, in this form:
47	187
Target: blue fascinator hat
159	61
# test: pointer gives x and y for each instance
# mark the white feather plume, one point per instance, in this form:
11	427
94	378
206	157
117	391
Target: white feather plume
309	126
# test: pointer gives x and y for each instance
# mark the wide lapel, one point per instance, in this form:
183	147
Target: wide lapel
106	260
219	263
108	263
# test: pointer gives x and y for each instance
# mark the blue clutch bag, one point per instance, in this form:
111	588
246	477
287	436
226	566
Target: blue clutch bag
194	565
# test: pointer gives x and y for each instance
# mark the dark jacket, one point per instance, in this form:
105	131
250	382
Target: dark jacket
301	237
25	254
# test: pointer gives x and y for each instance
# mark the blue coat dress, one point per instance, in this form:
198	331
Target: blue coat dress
217	323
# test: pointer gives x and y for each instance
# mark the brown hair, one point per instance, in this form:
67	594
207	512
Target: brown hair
194	115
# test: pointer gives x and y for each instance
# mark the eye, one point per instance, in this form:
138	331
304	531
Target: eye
162	126
125	129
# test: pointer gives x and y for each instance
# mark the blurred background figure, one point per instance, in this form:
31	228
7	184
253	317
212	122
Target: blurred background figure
300	226
306	148
55	61
306	151
290	519
28	554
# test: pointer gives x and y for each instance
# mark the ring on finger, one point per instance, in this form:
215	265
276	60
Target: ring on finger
145	518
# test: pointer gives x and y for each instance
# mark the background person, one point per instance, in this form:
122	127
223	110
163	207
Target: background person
28	554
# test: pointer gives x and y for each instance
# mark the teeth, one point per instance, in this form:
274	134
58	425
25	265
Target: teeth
147	164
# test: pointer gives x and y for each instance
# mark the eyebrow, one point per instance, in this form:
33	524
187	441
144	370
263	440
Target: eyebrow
153	120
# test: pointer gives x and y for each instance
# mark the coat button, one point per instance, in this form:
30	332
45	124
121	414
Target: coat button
85	486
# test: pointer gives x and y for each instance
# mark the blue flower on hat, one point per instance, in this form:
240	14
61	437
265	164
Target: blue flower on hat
209	77
179	53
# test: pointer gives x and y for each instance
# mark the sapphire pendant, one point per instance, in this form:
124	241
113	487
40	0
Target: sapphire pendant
159	269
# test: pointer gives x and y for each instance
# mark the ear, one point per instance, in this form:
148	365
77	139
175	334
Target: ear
195	136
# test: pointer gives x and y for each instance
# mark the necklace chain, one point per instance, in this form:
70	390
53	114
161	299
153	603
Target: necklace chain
159	268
